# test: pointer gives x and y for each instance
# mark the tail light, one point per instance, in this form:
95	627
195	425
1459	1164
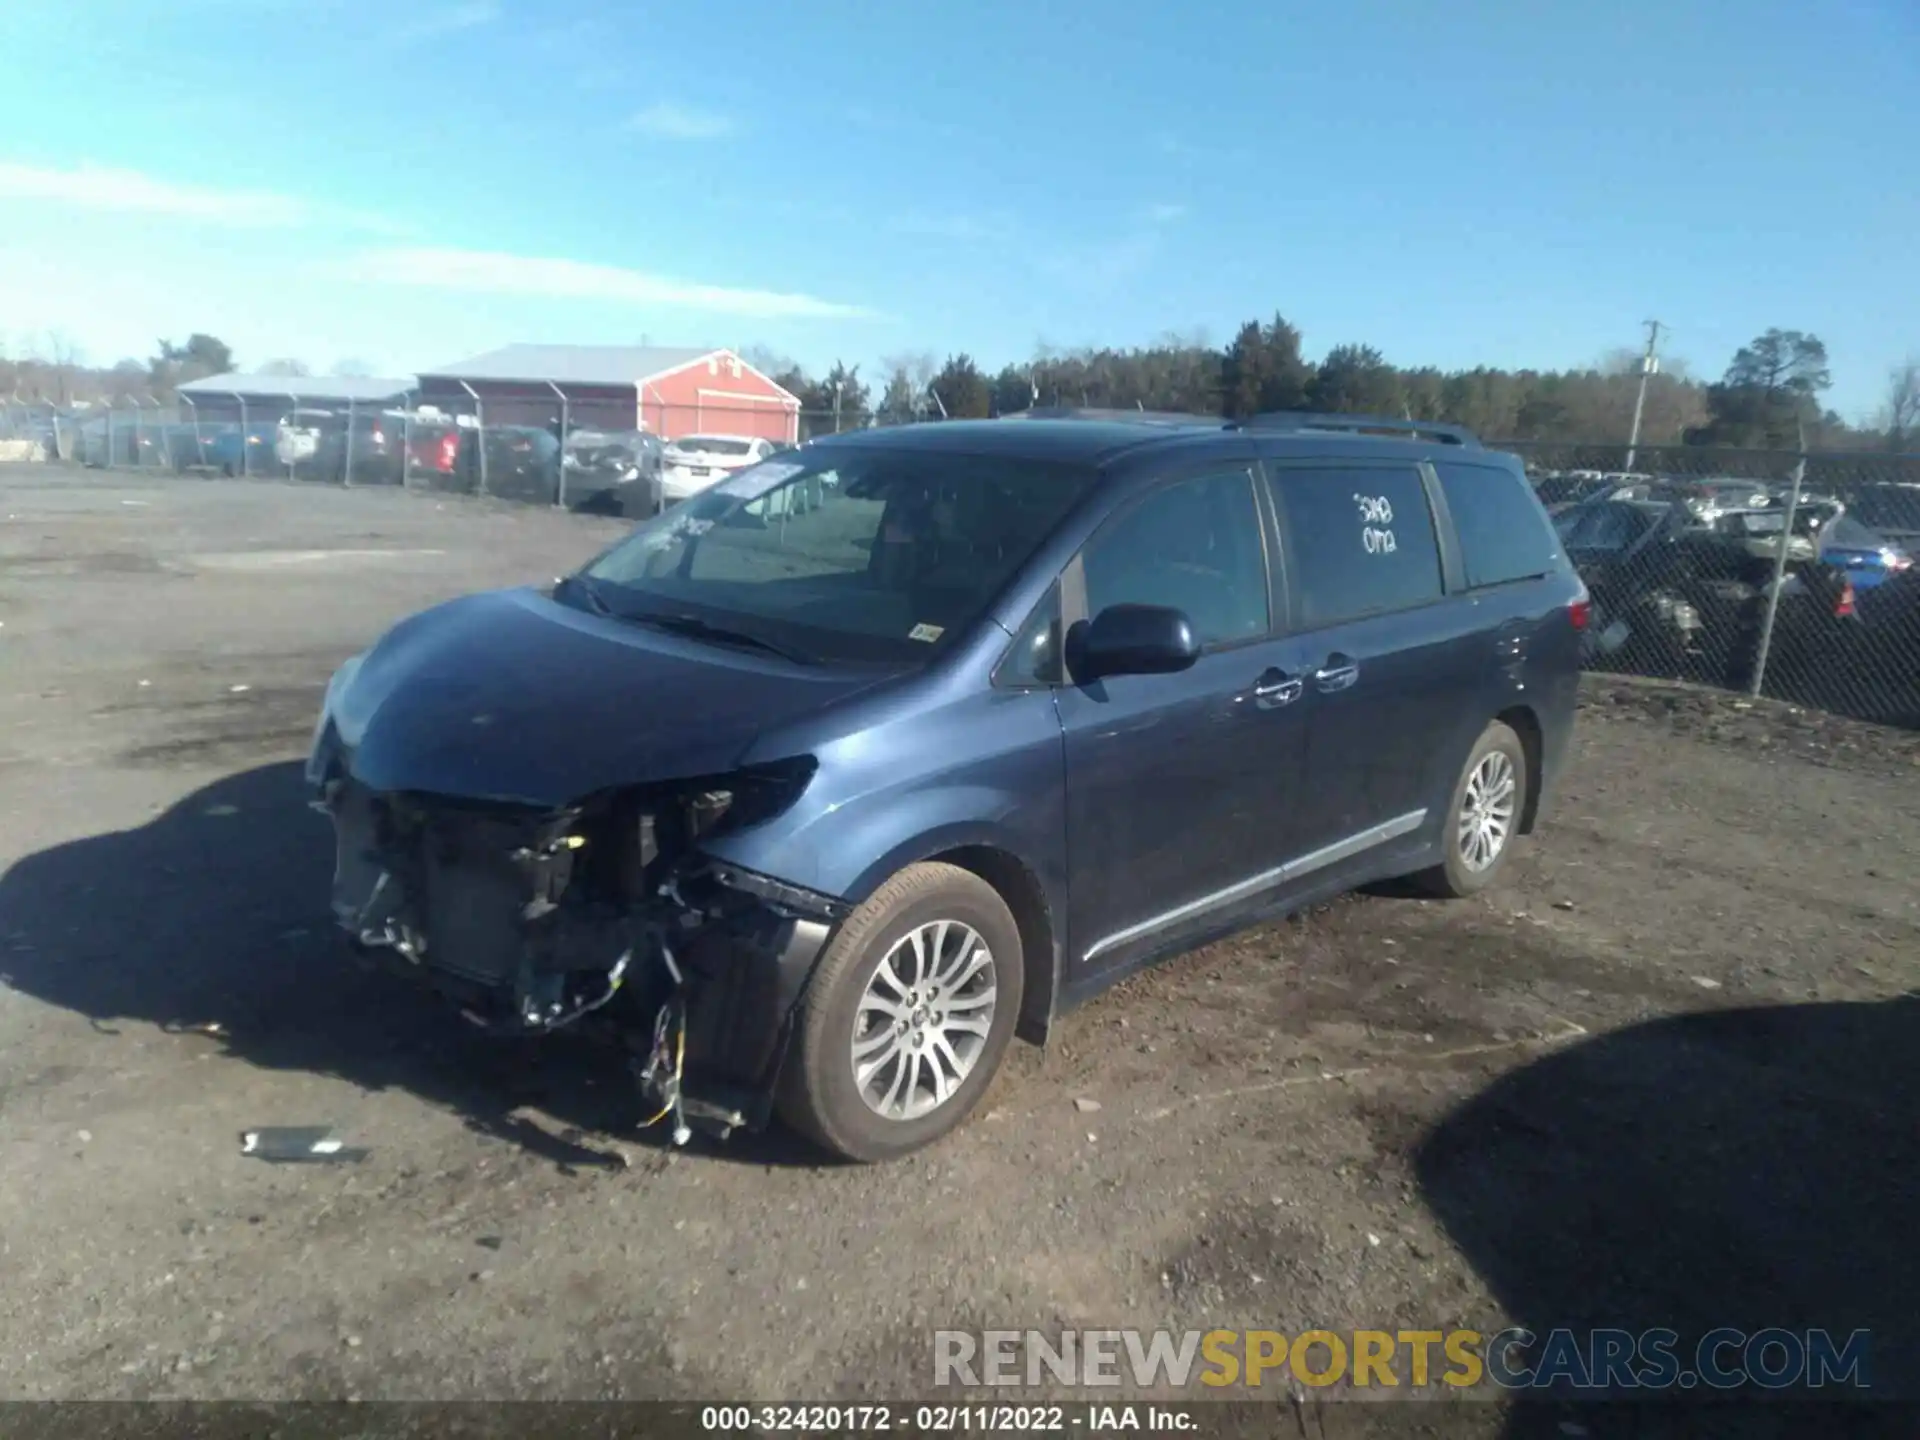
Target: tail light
448	452
1843	607
1580	611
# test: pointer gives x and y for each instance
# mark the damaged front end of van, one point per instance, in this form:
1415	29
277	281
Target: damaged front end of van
459	864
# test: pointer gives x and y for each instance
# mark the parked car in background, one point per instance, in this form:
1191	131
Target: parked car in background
1561	490
1823	531
434	449
104	441
516	462
312	443
695	462
613	472
1676	598
232	452
1627	552
1868	557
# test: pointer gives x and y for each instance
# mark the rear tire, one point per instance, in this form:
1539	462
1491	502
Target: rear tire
907	1017
1483	816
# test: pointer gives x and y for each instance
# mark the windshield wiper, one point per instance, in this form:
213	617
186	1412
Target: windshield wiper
694	626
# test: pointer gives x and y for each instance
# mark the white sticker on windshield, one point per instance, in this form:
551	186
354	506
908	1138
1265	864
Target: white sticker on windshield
928	633
756	480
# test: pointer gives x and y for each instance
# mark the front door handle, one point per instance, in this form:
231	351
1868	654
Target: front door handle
1276	688
1338	673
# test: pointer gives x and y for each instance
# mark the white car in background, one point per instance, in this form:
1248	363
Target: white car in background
695	462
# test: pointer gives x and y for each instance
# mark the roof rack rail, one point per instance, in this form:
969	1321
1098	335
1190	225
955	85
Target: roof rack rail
1307	420
1091	412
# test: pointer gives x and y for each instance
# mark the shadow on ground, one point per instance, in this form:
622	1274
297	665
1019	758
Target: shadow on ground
1746	1168
215	912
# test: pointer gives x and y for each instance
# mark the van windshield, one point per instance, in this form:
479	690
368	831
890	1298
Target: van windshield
867	556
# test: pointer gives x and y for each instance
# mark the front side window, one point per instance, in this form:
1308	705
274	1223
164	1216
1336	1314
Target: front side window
866	555
1361	542
1034	657
1194	546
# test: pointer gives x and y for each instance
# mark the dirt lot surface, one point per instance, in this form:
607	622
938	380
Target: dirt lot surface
1665	1075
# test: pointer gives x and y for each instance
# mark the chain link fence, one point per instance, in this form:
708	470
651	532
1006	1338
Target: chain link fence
1763	572
1759	571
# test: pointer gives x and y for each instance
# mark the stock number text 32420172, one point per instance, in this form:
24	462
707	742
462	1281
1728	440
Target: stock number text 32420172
904	1419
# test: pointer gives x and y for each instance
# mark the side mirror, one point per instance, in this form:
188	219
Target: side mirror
1134	640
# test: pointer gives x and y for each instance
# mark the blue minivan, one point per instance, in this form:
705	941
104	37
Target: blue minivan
819	806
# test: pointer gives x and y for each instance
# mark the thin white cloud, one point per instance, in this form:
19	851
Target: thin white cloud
102	187
667	120
1164	214
494	273
99	187
448	20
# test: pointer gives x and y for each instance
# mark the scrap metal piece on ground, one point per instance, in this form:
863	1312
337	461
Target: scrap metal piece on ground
298	1144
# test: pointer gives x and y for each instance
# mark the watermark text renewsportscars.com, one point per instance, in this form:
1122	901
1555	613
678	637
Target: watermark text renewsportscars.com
1560	1360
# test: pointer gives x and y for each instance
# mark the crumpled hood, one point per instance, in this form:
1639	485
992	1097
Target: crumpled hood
508	695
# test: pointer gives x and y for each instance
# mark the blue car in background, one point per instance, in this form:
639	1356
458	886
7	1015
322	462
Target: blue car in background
1868	557
1823	532
219	447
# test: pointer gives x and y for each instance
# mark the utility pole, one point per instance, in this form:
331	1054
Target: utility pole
1649	367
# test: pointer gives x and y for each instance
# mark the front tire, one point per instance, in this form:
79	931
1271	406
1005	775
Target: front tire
907	1018
1483	816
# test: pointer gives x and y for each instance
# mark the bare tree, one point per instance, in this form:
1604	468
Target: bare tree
767	360
909	376
1900	417
292	368
63	360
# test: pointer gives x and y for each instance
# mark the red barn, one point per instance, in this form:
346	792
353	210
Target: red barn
671	390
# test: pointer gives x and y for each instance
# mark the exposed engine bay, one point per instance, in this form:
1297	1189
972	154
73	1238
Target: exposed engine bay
603	915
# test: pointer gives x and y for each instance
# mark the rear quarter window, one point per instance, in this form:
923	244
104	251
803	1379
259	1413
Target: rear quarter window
1504	534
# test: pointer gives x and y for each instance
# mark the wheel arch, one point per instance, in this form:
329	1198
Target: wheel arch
1037	906
1016	883
1522	720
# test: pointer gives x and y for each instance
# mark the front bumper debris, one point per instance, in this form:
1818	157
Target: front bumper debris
603	917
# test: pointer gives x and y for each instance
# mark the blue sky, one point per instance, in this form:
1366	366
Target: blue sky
1494	182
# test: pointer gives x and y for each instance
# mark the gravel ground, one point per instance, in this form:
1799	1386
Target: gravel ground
1665	1074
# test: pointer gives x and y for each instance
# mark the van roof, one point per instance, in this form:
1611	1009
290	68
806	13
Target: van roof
1097	437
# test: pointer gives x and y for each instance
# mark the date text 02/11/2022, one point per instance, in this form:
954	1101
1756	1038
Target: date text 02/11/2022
948	1419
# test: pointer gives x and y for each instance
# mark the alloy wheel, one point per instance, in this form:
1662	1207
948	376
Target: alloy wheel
923	1020
1486	810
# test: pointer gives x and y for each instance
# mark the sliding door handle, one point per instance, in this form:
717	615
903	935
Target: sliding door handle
1337	674
1276	688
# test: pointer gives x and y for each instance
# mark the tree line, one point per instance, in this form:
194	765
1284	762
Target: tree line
1769	397
51	372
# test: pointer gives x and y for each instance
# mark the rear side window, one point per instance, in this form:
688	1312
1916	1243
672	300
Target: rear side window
1361	542
1503	534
